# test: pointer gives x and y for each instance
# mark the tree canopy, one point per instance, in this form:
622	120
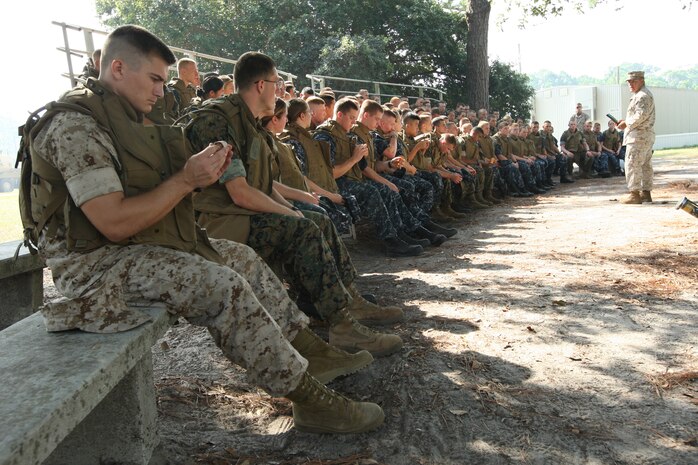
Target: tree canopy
406	41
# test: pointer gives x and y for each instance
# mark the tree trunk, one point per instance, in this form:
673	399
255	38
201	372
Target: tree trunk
476	64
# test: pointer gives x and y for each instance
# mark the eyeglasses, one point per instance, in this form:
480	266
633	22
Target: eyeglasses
279	83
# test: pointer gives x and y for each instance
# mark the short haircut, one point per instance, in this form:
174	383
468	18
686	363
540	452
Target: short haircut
184	63
390	113
251	67
308	90
533	123
477	130
410	116
96	55
132	43
547	122
296	107
449	139
344	105
371	107
280	107
315	101
424	119
438	121
327	98
502	124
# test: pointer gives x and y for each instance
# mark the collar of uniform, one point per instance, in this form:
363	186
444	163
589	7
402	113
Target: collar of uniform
100	88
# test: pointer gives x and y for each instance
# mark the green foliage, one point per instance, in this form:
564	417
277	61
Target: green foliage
510	91
405	41
358	57
680	79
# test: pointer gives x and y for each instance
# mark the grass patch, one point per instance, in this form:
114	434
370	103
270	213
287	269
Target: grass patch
10	223
684	152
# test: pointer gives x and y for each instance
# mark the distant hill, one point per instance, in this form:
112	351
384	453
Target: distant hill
679	79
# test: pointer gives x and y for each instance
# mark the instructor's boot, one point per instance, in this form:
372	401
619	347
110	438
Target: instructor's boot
319	409
352	336
368	313
325	362
632	198
646	197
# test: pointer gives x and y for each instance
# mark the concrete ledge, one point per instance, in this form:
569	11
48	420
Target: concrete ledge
21	283
51	382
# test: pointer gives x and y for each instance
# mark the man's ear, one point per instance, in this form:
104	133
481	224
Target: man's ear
117	68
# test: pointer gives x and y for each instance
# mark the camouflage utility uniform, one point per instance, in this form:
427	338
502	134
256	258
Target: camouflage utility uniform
221	285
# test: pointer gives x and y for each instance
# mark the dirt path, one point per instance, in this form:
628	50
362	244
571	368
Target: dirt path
546	332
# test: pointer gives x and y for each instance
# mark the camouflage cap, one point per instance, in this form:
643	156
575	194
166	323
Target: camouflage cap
635	75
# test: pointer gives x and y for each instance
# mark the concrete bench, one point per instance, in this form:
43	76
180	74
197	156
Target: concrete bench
76	398
21	283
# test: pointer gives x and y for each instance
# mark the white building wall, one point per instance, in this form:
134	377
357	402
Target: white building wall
677	109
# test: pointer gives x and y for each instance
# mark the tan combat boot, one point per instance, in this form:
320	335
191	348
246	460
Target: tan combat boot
491	198
646	197
481	198
471	202
451	212
350	335
319	409
368	313
632	198
325	362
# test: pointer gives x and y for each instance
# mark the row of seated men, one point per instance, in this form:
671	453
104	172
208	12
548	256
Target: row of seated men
401	171
139	216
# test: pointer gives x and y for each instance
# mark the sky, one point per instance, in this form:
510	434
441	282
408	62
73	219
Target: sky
588	44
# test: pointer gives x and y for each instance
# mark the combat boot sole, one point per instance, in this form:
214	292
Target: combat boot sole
353	337
309	423
319	409
358	362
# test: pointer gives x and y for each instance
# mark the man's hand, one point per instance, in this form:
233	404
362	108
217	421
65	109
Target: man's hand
392	187
336	198
470	170
396	163
456	178
207	166
360	151
423	144
622	125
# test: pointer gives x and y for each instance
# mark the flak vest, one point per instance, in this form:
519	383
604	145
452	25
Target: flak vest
590	138
419	161
289	170
317	154
254	145
471	149
529	148
486	147
504	143
183	93
611	139
518	146
549	144
364	135
343	148
537	142
574	141
431	155
146	157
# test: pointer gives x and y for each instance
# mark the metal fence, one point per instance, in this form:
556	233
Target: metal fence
383	90
79	43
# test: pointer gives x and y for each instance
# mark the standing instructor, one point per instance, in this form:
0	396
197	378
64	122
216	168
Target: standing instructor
639	139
